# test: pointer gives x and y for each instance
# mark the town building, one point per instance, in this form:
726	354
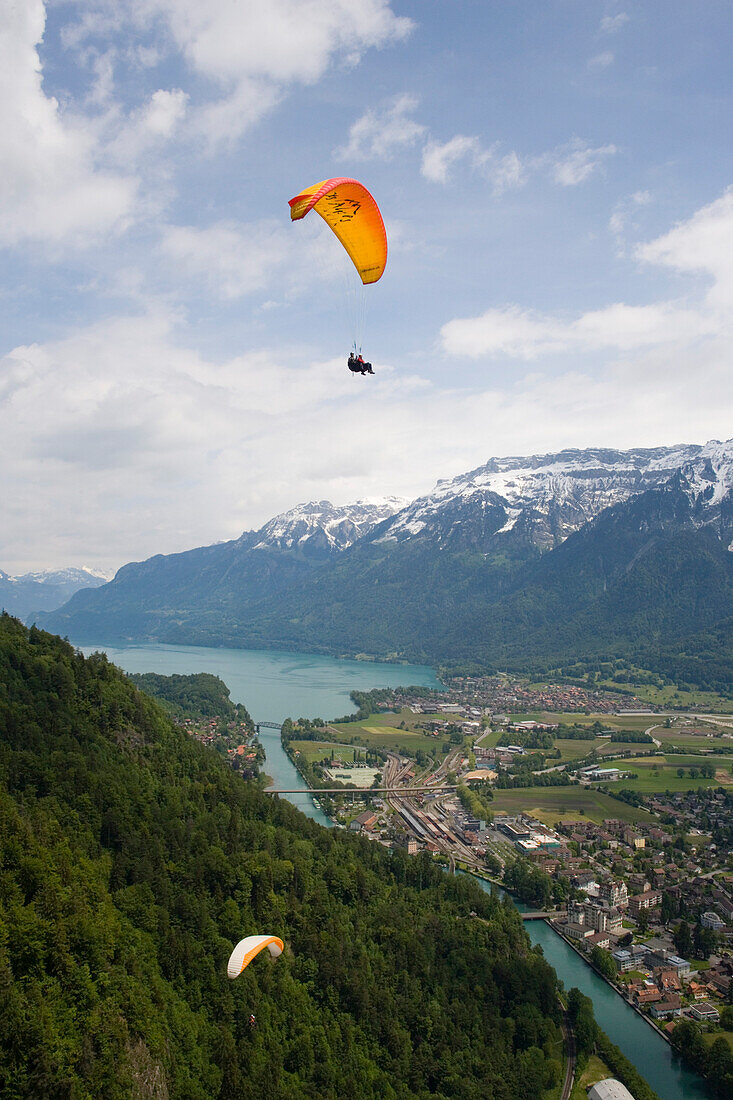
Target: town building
610	1089
623	959
712	920
663	1010
650	899
363	821
614	892
575	931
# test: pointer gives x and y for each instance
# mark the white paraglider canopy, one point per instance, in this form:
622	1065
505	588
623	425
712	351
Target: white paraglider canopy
246	950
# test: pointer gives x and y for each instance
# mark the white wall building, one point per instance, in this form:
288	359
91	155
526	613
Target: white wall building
610	1089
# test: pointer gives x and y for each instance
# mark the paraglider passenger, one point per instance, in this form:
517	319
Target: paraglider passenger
358	366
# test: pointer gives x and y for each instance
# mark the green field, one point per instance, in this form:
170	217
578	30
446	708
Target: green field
674	698
316	750
380	731
608	721
490	739
595	1070
576	750
659	773
690	741
666	781
552	804
679	760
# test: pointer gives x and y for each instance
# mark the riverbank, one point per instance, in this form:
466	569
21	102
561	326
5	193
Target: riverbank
614	987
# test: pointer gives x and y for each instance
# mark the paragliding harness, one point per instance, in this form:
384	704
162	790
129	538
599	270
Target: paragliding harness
252	1022
357	365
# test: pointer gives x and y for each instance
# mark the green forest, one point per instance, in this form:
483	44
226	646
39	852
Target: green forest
133	859
197	695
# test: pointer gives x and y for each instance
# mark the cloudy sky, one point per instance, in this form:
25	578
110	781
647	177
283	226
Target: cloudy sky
555	177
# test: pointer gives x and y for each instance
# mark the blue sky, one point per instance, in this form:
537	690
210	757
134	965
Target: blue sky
554	177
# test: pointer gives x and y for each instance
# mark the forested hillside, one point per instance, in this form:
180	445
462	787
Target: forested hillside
197	695
132	859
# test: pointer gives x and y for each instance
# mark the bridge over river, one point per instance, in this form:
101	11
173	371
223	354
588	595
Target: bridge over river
315	791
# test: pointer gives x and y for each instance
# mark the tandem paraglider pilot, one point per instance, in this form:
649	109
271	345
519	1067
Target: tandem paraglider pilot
358	366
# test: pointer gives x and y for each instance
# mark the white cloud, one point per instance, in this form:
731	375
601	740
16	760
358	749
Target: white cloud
522	334
623	215
253	52
148	129
380	133
569	164
439	158
234	260
127	443
601	60
51	187
575	163
702	245
610	24
164	112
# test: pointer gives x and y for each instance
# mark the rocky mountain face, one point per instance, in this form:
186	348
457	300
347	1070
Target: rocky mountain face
521	560
545	498
24	595
320	529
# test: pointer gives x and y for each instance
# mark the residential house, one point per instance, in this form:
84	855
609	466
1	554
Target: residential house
648	996
650	899
662	1010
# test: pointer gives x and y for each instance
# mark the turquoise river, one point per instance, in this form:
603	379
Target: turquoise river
276	685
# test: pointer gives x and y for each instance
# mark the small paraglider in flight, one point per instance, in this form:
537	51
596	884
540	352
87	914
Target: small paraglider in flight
248	948
351	211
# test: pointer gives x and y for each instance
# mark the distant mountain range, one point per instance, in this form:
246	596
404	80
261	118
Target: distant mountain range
521	562
24	595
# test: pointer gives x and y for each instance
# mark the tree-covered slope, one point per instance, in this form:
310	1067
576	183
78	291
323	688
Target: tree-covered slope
195	695
640	577
131	859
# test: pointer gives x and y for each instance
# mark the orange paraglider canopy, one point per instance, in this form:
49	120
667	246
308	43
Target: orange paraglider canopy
353	215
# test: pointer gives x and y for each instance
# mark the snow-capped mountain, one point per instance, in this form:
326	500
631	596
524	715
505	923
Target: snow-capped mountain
81	577
551	555
44	591
323	527
544	498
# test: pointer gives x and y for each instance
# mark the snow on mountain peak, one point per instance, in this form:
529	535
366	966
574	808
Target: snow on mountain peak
325	527
547	497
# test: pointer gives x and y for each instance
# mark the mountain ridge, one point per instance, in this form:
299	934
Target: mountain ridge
27	593
464	572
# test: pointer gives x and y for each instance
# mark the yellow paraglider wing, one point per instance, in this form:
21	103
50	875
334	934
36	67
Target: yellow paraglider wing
246	950
353	215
